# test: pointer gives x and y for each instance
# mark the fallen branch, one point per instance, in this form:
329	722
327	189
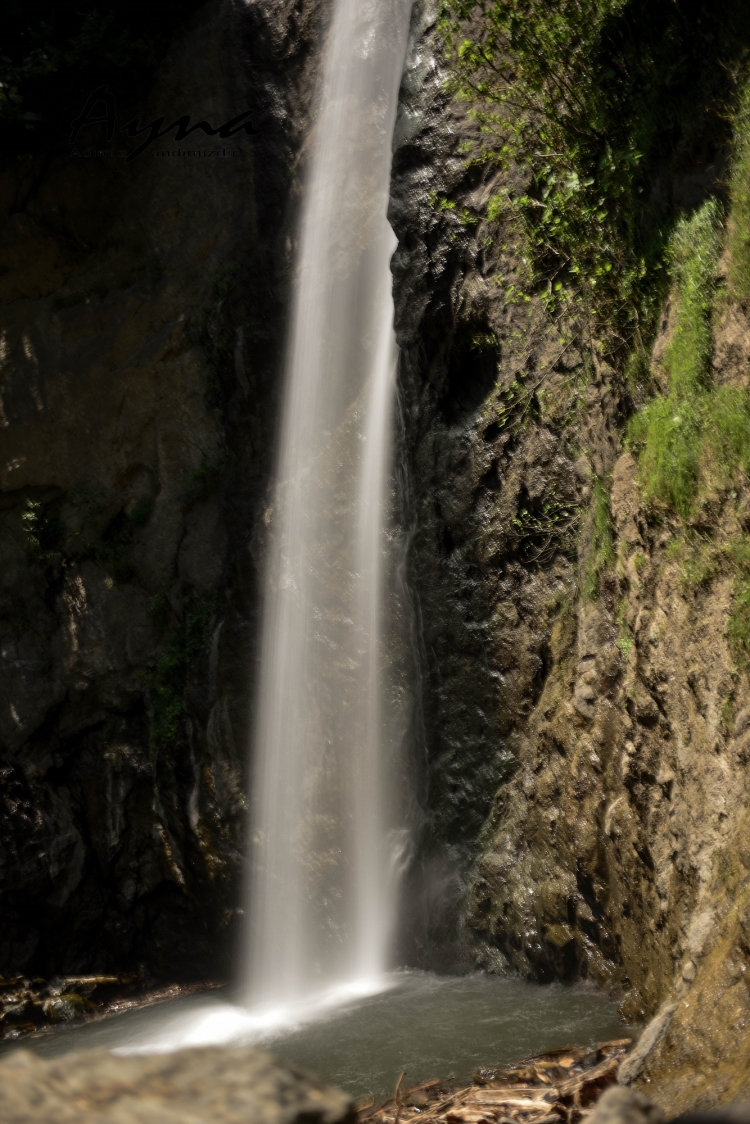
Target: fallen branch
558	1087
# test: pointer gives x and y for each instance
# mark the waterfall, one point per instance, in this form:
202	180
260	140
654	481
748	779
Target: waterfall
322	890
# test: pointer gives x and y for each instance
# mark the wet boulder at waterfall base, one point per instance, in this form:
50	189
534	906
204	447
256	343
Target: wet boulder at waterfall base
202	1086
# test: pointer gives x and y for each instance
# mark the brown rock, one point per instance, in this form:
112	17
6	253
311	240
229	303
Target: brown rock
204	1086
626	499
619	1105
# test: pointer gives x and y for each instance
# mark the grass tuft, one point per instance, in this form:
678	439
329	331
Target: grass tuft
669	433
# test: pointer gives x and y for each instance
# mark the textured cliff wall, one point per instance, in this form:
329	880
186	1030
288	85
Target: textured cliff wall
585	708
142	308
507	414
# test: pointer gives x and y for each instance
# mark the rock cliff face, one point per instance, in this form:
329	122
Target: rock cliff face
142	305
585	786
499	404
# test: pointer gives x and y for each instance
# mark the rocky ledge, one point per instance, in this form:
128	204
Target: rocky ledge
29	1008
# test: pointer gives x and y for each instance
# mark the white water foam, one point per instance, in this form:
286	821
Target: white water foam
224	1024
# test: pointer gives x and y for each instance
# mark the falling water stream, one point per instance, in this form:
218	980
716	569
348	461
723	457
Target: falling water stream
322	892
315	981
324	825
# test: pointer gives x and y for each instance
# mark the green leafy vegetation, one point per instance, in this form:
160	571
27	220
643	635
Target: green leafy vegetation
48	541
624	641
669	432
701	566
585	97
540	529
602	551
693	441
695	438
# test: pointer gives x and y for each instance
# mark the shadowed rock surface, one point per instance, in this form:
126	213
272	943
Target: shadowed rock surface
141	320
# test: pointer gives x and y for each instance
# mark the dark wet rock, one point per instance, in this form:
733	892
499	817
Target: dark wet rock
29	1008
141	317
208	1086
495	397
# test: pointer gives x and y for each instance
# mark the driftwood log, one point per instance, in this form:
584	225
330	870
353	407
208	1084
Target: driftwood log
559	1087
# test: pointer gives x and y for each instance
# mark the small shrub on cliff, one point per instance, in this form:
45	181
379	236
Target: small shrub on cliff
586	97
534	73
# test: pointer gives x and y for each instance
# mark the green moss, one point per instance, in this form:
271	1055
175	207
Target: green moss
602	551
168	680
43	530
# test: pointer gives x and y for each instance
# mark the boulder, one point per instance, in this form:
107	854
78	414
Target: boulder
214	1085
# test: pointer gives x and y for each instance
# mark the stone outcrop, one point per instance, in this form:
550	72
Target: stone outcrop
498	400
204	1086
